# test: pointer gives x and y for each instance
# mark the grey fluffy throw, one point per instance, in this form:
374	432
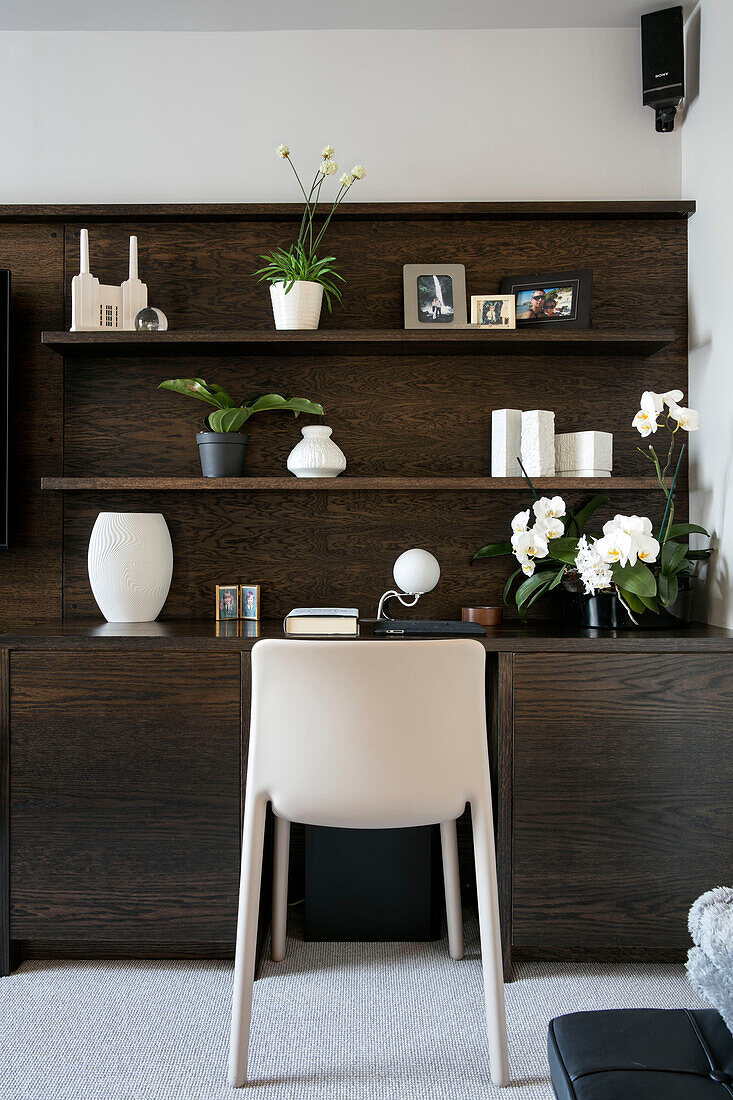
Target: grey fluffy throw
710	962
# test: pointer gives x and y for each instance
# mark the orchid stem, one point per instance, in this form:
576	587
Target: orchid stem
534	491
671	493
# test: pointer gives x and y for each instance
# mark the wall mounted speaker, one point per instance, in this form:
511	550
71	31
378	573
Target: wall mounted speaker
663	64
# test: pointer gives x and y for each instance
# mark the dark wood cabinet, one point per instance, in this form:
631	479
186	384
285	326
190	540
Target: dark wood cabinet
125	797
622	813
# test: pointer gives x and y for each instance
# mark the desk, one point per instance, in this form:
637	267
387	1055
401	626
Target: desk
123	756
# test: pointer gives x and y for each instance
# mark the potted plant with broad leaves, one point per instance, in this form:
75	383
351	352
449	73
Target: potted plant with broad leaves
223	444
623	575
298	278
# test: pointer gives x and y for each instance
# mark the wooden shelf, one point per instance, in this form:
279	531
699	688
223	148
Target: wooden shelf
339	484
470	341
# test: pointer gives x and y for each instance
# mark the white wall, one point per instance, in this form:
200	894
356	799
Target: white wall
195	117
707	158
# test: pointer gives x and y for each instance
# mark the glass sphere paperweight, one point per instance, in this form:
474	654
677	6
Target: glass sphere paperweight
150	319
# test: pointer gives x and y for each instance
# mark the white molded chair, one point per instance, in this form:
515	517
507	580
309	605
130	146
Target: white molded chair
368	735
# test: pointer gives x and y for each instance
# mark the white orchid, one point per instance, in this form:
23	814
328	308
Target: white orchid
283	151
626	539
632	525
645	423
550	528
327	152
549	508
530	544
528	567
520	523
594	572
688	419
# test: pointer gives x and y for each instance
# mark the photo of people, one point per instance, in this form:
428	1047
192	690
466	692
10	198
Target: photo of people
493	311
227	601
435	299
249	601
545	303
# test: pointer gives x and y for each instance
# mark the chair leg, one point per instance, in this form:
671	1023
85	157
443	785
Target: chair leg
280	888
244	963
488	912
452	883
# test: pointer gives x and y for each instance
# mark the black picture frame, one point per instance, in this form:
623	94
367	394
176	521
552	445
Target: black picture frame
582	282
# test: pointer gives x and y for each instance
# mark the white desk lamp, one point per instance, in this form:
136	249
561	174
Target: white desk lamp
415	572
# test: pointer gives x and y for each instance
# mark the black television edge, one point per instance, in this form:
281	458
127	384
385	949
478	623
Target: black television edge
4	403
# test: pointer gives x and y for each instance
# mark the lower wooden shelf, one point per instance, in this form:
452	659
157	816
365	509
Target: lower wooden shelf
339	484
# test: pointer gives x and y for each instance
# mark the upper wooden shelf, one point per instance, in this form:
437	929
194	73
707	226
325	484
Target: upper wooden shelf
469	341
340	484
351	211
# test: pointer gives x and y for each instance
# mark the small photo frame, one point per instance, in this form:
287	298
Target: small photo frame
249	601
435	296
550	300
227	602
493	311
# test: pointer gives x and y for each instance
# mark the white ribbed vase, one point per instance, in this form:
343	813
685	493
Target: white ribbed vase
130	564
300	307
316	455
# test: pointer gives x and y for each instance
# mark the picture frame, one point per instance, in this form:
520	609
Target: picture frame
249	601
493	311
434	296
227	602
570	292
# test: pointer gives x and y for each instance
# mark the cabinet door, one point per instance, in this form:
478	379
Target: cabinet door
622	796
125	781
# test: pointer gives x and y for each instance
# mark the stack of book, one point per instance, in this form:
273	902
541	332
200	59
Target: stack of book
321	621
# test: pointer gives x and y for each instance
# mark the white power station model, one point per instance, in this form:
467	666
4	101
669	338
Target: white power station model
95	307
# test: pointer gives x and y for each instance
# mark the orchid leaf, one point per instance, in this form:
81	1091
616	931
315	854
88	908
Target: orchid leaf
508	585
196	387
668	588
556	579
563	549
637	579
673	554
678	529
493	550
579	519
527	587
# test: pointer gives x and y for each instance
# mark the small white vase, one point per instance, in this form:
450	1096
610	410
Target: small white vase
298	309
316	455
130	564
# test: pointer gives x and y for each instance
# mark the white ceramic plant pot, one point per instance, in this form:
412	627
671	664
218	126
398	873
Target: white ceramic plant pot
130	564
316	455
300	307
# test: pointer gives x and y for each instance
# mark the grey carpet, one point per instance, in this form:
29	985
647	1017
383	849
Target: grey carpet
333	1022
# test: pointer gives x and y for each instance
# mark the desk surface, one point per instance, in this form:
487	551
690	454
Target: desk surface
202	634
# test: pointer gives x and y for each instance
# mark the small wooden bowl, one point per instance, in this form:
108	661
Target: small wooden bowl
486	616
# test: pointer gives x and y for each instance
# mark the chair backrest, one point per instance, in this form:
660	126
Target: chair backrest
368	734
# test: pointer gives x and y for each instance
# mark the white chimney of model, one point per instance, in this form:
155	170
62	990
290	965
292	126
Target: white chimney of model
134	293
132	273
84	252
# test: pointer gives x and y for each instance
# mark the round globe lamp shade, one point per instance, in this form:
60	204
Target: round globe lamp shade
416	571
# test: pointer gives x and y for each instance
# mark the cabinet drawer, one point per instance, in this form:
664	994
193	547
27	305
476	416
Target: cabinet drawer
125	796
622	811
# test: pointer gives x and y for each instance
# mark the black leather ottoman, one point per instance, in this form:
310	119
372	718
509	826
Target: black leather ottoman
641	1054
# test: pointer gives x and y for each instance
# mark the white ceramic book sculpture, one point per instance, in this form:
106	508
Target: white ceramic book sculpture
584	454
506	438
538	443
96	307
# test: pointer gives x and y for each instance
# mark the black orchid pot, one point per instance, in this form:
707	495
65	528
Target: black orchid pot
605	611
222	453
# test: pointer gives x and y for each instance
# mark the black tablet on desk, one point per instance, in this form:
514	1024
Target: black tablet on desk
428	628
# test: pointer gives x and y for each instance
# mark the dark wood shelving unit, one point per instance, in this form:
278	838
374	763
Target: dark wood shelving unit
338	484
639	343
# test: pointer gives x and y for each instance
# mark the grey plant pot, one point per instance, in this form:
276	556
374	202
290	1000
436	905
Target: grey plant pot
222	453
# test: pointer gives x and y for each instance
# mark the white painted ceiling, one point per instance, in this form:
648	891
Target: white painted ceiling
269	15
